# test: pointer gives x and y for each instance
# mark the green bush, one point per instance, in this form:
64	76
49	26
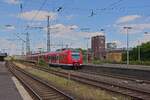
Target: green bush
146	63
144	53
97	62
42	63
140	62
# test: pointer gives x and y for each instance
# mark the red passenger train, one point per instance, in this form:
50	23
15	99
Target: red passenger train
71	58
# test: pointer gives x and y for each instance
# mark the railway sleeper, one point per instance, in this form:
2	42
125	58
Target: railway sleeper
55	97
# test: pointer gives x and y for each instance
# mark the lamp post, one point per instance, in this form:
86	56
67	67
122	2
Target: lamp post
48	35
127	29
86	38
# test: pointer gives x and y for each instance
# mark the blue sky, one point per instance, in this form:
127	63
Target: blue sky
68	25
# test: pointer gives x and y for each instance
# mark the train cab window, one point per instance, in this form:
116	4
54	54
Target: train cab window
49	57
75	56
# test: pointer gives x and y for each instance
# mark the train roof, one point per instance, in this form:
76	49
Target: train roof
54	52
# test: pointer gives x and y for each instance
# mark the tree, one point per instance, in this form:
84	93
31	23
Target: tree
144	52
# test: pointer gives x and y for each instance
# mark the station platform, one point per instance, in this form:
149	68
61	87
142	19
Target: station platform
140	72
122	66
8	90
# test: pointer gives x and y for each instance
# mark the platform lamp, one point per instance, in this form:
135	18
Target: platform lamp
127	31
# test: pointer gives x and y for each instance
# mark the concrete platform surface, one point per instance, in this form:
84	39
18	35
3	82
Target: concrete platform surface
8	90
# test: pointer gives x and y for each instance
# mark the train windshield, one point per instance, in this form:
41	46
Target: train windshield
75	56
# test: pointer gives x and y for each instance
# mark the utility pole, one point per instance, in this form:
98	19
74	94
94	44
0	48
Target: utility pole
139	51
87	38
27	43
48	34
22	48
21	10
127	28
67	46
23	41
62	45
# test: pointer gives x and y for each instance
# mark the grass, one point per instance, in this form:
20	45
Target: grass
140	62
81	91
42	63
123	62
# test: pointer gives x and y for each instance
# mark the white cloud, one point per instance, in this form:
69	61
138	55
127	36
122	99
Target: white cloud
128	18
145	39
39	15
70	31
8	46
141	26
12	1
40	45
70	35
90	34
72	38
118	43
139	41
8	28
34	24
136	28
62	29
86	34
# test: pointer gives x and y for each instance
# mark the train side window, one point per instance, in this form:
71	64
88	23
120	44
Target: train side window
56	57
60	57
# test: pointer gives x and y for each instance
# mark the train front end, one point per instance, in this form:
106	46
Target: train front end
76	59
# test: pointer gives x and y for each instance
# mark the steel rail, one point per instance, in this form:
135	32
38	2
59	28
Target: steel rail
118	76
129	91
13	68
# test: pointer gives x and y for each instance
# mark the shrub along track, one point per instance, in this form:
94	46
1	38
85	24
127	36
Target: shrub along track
135	92
40	89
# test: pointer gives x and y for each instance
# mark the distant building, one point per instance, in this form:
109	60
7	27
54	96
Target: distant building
114	55
2	55
98	47
111	46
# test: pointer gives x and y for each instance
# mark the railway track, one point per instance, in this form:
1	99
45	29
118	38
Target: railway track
135	92
40	89
123	71
118	76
